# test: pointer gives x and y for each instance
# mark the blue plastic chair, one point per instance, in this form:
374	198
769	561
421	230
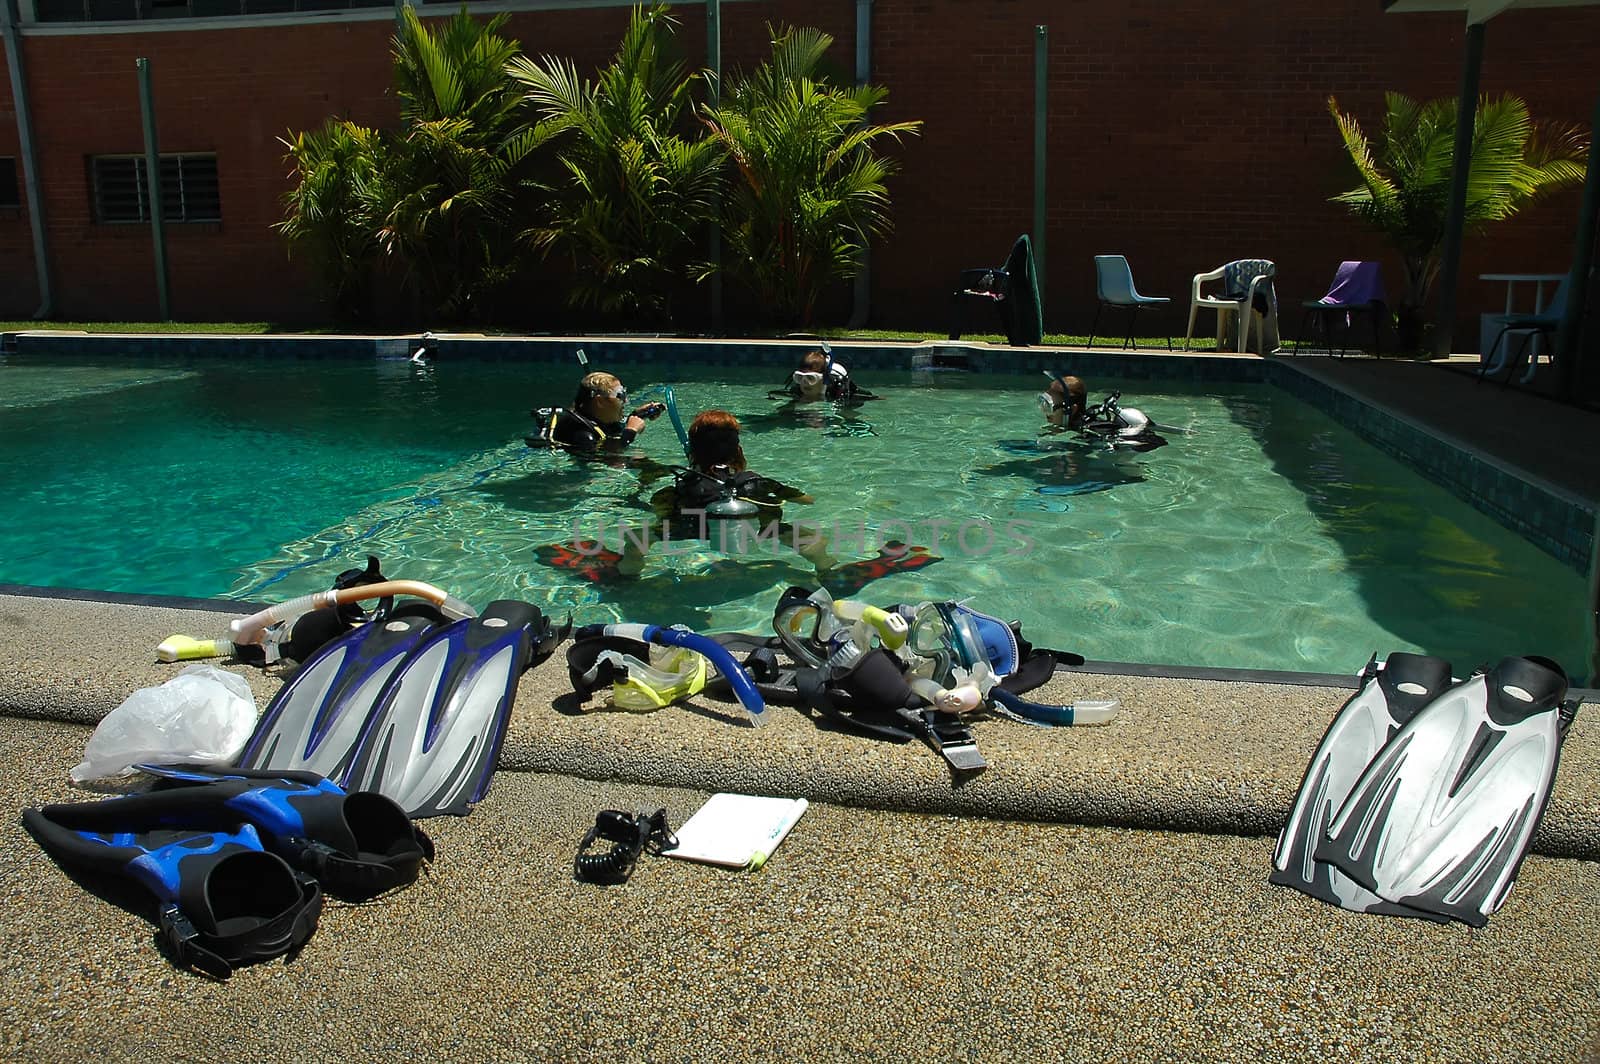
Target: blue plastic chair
1546	321
1113	284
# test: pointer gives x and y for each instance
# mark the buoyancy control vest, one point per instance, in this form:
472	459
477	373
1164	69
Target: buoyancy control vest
556	426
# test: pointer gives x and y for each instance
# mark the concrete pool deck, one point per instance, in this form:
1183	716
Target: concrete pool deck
1096	894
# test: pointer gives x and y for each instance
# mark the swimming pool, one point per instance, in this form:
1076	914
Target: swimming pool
1265	535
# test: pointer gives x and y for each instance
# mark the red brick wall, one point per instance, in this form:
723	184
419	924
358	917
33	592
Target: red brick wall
18	291
1181	135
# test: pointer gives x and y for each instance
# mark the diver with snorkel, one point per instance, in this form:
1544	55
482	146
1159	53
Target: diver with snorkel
595	421
822	378
1065	405
718	498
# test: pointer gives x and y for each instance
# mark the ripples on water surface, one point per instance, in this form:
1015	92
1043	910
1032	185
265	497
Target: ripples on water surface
1264	536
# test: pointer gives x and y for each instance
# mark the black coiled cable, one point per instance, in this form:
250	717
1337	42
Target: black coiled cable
629	836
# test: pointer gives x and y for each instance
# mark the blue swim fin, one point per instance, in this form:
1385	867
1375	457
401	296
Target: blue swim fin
356	845
432	741
221	900
316	719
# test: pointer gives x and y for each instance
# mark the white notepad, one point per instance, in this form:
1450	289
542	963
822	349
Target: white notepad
737	830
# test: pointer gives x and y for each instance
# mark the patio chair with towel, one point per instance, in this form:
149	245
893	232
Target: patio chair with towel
1544	322
1113	285
1012	289
1357	288
1247	294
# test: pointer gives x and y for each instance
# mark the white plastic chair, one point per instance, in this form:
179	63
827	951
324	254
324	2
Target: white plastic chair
1241	280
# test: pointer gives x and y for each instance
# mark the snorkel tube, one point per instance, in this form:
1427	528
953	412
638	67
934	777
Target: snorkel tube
892	628
677	422
1087	712
268	625
739	680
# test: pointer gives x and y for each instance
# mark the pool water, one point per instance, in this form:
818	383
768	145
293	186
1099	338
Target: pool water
1264	536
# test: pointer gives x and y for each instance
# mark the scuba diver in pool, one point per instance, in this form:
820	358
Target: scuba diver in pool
595	421
720	499
1065	404
821	378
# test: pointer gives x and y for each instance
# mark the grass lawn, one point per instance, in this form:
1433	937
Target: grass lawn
256	328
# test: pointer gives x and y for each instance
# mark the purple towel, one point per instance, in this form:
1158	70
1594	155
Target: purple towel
1356	283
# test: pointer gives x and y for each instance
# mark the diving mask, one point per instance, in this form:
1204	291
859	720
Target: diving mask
642	676
1048	404
673	674
807	379
956	636
805	623
811	626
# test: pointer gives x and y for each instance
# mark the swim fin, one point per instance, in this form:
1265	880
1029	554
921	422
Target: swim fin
894	557
316	719
221	900
432	741
1442	817
357	845
585	558
1389	696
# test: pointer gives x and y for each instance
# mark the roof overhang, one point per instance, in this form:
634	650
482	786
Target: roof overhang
1476	10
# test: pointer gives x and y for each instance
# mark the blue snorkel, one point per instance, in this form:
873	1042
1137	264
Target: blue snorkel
743	687
677	422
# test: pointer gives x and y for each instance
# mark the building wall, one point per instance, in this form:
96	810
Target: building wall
1181	135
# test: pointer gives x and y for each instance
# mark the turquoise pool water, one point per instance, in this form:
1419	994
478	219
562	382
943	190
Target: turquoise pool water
1264	536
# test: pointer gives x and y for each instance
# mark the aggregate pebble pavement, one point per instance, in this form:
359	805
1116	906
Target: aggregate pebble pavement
926	930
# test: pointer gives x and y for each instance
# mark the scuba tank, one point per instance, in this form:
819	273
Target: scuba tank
731	521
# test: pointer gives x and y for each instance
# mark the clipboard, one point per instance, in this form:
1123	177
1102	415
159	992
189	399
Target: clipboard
737	830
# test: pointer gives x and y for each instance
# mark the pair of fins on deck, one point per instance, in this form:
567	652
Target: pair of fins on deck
397	719
1424	795
407	706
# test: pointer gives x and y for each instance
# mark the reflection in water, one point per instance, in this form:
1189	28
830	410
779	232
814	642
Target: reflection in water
1268	537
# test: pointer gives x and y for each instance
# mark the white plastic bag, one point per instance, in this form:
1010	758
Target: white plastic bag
203	714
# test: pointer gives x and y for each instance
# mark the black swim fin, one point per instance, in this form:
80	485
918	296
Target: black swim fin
1442	817
357	845
221	900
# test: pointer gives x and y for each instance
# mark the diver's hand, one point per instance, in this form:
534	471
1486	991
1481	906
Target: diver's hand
634	424
649	411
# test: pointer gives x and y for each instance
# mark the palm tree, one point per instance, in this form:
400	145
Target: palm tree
330	211
450	192
1405	178
631	196
810	191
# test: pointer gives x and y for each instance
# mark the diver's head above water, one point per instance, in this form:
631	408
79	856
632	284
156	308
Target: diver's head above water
714	441
811	380
601	397
1064	402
